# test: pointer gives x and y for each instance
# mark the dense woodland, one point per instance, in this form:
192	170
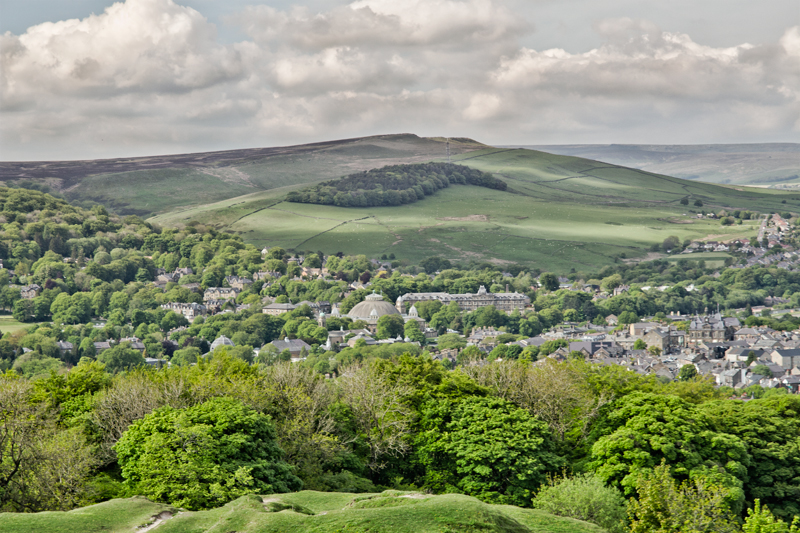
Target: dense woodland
393	185
629	452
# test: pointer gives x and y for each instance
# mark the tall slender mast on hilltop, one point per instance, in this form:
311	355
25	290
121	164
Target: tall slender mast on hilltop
447	145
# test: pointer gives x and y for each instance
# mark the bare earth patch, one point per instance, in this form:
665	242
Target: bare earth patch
651	256
468	218
676	220
423	228
228	175
160	518
720	237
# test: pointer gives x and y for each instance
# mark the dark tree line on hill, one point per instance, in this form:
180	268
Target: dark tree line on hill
393	185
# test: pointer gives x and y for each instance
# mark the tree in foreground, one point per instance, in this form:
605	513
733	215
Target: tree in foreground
663	506
761	520
484	447
586	498
42	467
770	428
204	456
645	429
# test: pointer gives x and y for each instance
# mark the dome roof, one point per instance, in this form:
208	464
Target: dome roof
222	340
372	308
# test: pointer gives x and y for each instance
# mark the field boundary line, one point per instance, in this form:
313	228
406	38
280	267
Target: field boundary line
329	229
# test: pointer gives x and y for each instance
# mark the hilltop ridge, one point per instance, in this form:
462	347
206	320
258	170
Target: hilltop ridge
148	185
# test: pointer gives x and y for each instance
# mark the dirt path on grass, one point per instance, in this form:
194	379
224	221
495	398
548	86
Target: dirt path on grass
160	518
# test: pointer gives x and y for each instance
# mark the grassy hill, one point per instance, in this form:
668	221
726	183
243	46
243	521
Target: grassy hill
148	185
773	164
558	212
303	512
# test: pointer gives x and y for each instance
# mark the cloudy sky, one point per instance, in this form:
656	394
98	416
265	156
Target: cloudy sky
93	78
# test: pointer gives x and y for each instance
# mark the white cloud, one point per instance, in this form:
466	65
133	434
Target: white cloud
652	77
384	23
140	45
150	76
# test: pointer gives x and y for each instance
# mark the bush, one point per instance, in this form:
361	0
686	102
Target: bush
586	498
203	456
761	520
664	506
484	447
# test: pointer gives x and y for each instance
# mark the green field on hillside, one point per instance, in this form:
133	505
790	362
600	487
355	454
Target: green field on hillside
712	259
560	212
304	512
573	179
147	190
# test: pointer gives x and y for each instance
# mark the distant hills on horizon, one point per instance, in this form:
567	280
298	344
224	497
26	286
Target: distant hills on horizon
775	165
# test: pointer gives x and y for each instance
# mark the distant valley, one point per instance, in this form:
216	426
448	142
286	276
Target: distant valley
772	164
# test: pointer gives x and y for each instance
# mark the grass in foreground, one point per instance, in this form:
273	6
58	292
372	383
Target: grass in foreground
307	512
124	515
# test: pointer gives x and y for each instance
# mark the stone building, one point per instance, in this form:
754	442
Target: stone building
30	292
188	310
371	309
278	309
711	328
221	293
238	283
502	301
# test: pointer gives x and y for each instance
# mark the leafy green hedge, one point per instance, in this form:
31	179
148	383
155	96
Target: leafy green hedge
393	185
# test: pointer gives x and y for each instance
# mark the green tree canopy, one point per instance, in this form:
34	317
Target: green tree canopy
204	456
484	447
120	357
549	281
771	429
643	429
390	326
687	372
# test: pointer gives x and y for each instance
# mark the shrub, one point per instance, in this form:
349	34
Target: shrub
584	497
203	456
664	506
761	520
485	447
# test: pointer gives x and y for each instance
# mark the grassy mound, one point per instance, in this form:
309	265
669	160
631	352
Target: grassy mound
124	515
306	512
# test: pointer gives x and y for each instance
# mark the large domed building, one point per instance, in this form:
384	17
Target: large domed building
371	309
222	340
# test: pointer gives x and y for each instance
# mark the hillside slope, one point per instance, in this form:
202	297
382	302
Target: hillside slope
149	185
304	512
558	212
773	164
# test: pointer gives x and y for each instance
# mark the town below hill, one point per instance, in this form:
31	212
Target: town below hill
204	373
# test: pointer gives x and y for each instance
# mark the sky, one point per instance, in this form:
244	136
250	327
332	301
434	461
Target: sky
85	79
